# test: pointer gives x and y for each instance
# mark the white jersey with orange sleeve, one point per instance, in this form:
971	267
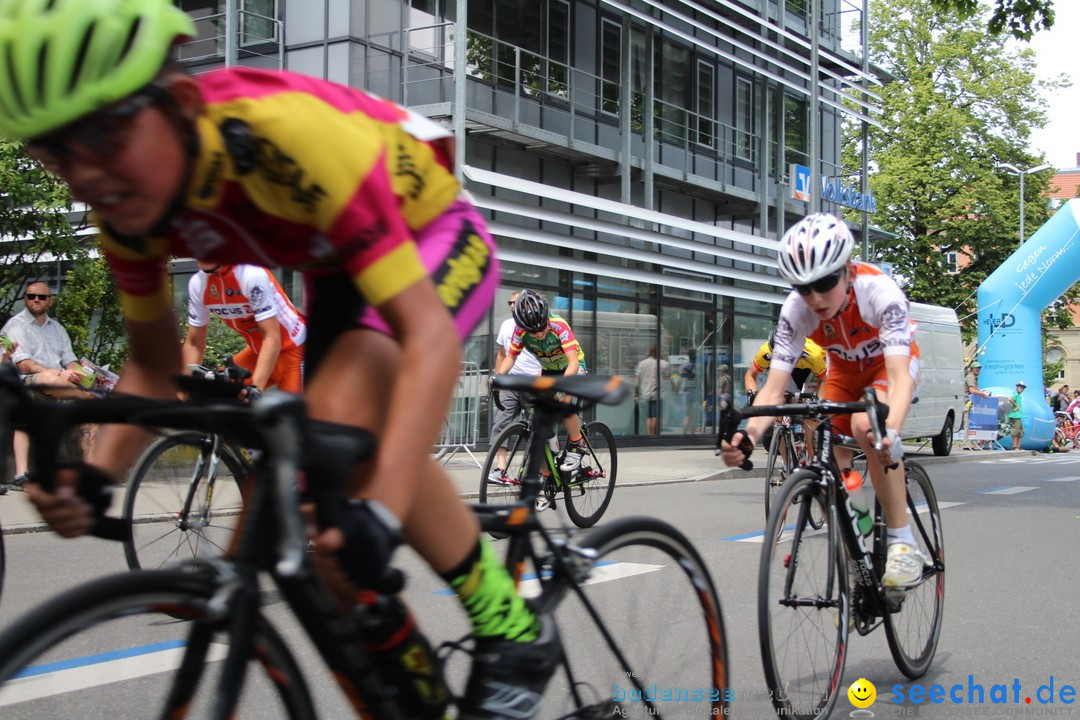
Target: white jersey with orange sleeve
873	324
242	296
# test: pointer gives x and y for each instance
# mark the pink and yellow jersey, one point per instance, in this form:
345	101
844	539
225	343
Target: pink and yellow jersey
297	172
242	296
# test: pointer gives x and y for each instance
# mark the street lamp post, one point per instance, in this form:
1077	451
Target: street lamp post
1013	170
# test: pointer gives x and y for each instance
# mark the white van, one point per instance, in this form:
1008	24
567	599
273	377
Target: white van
938	413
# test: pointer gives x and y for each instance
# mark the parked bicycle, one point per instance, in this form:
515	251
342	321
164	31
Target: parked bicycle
1066	431
174	505
587	490
227	657
807	603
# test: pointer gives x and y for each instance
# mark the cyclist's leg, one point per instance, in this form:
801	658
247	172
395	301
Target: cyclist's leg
288	373
904	562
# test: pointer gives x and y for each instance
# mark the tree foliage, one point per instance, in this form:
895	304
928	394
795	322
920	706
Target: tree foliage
89	309
1019	18
959	103
34	224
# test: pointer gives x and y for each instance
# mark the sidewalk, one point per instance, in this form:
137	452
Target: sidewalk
637	466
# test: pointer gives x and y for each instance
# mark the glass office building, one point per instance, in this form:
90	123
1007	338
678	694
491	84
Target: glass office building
635	158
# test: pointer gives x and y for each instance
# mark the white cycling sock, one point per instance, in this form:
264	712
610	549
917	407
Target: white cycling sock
901	535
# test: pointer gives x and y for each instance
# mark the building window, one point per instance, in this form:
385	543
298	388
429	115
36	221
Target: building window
610	49
258	24
706	104
744	119
673	91
795	131
951	266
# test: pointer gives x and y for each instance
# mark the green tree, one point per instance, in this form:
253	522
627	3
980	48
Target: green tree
959	102
89	308
1021	18
34	208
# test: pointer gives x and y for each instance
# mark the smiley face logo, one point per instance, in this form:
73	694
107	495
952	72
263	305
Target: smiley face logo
862	693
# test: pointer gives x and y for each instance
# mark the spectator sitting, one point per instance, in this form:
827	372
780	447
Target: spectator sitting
45	358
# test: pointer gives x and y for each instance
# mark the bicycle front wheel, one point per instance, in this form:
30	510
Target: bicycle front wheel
588	489
182	500
506	488
643	633
803	601
914	629
110	648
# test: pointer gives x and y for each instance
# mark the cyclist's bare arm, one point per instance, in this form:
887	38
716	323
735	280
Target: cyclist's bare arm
268	353
506	364
194	348
572	363
750	379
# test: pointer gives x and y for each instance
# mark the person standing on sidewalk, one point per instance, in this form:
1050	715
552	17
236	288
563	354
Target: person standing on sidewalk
512	402
1016	417
651	374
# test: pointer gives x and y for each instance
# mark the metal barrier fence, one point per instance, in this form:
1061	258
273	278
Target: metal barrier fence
461	429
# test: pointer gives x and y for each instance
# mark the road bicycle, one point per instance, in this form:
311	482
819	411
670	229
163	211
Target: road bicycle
787	451
226	654
1066	431
807	602
586	490
174	505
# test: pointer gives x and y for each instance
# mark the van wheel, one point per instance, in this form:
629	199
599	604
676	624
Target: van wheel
942	444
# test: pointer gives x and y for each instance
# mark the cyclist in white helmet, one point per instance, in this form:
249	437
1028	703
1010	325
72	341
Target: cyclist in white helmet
860	316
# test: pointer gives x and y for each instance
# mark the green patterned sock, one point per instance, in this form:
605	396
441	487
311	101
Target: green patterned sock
488	594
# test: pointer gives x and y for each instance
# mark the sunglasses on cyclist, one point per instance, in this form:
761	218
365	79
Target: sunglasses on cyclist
821	285
37	296
98	137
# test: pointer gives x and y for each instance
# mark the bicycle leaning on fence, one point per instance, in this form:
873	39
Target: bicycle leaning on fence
228	658
174	506
587	490
806	602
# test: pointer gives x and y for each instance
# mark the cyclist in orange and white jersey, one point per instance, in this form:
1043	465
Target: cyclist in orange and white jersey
860	316
249	300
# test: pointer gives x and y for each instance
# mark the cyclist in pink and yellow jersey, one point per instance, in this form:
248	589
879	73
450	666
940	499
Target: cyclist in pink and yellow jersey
250	301
271	168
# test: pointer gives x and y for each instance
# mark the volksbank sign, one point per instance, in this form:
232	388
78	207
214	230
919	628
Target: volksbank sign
833	190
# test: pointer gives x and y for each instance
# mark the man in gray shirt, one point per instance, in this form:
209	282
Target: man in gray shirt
44	357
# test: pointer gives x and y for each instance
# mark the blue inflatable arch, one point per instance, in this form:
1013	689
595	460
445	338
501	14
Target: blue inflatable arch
1010	304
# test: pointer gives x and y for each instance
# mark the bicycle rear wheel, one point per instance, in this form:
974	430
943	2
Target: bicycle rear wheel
181	500
914	629
110	649
803	601
588	489
648	598
507	490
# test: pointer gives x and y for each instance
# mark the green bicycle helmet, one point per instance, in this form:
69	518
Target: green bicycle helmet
63	59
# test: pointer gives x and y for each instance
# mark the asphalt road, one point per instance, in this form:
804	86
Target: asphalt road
1011	522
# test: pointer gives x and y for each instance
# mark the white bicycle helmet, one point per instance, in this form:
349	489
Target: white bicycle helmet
816	246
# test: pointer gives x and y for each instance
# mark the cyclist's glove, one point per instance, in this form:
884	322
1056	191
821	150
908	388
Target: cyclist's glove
95	486
254	392
372	534
750	395
896	446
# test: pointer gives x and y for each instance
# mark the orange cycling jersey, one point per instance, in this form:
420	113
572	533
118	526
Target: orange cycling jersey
873	324
242	296
267	190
